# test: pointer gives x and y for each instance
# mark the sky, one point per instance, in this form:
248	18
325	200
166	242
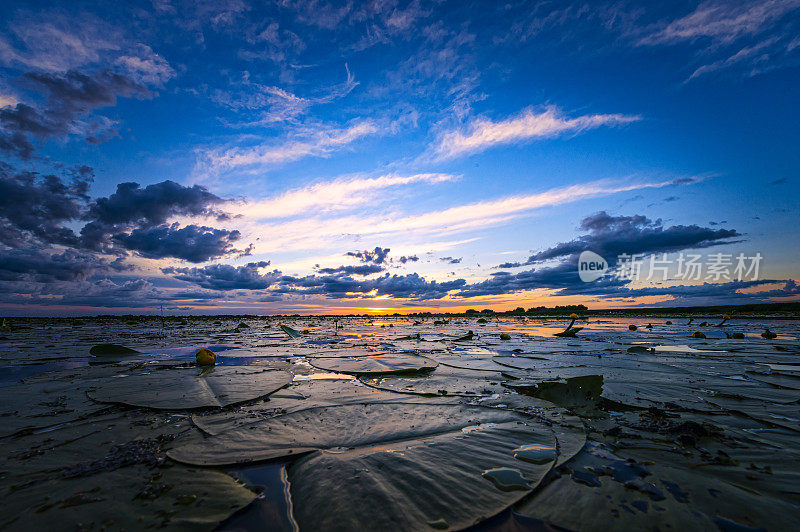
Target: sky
234	156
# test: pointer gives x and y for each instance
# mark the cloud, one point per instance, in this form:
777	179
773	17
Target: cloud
411	286
376	256
274	104
35	206
225	276
146	67
153	204
365	269
191	243
44	267
722	21
753	37
336	194
410	258
316	142
320	231
450	260
611	236
7	100
134	219
58	43
482	133
35	211
70	97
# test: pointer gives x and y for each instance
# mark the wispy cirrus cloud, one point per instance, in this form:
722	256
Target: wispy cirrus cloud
483	133
322	232
334	195
722	21
750	37
263	105
315	142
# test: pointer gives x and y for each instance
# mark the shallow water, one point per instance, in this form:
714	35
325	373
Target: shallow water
388	423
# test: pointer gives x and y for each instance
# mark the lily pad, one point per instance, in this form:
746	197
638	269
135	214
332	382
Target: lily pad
110	470
432	479
445	380
293	333
189	388
427	459
389	364
105	350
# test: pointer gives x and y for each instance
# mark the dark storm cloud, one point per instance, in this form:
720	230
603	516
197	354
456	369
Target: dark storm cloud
410	286
16	144
191	243
226	277
611	236
152	205
35	205
376	256
563	276
145	211
365	269
338	285
35	211
69	98
42	267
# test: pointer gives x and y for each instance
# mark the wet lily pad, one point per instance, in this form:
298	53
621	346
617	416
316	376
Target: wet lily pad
337	427
388	364
110	470
189	388
444	380
293	333
105	350
427	459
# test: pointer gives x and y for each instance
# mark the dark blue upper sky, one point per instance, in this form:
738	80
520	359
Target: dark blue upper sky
238	155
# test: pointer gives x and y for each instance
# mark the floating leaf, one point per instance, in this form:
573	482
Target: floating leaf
188	388
445	380
293	333
108	470
413	484
105	350
388	364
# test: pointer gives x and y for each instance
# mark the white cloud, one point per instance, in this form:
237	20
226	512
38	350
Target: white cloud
332	195
483	133
722	21
332	232
57	44
146	66
316	143
272	104
7	100
758	53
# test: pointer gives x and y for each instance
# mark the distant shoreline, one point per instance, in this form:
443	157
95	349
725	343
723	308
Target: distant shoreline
763	311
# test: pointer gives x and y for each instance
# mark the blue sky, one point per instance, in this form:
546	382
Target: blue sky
272	141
